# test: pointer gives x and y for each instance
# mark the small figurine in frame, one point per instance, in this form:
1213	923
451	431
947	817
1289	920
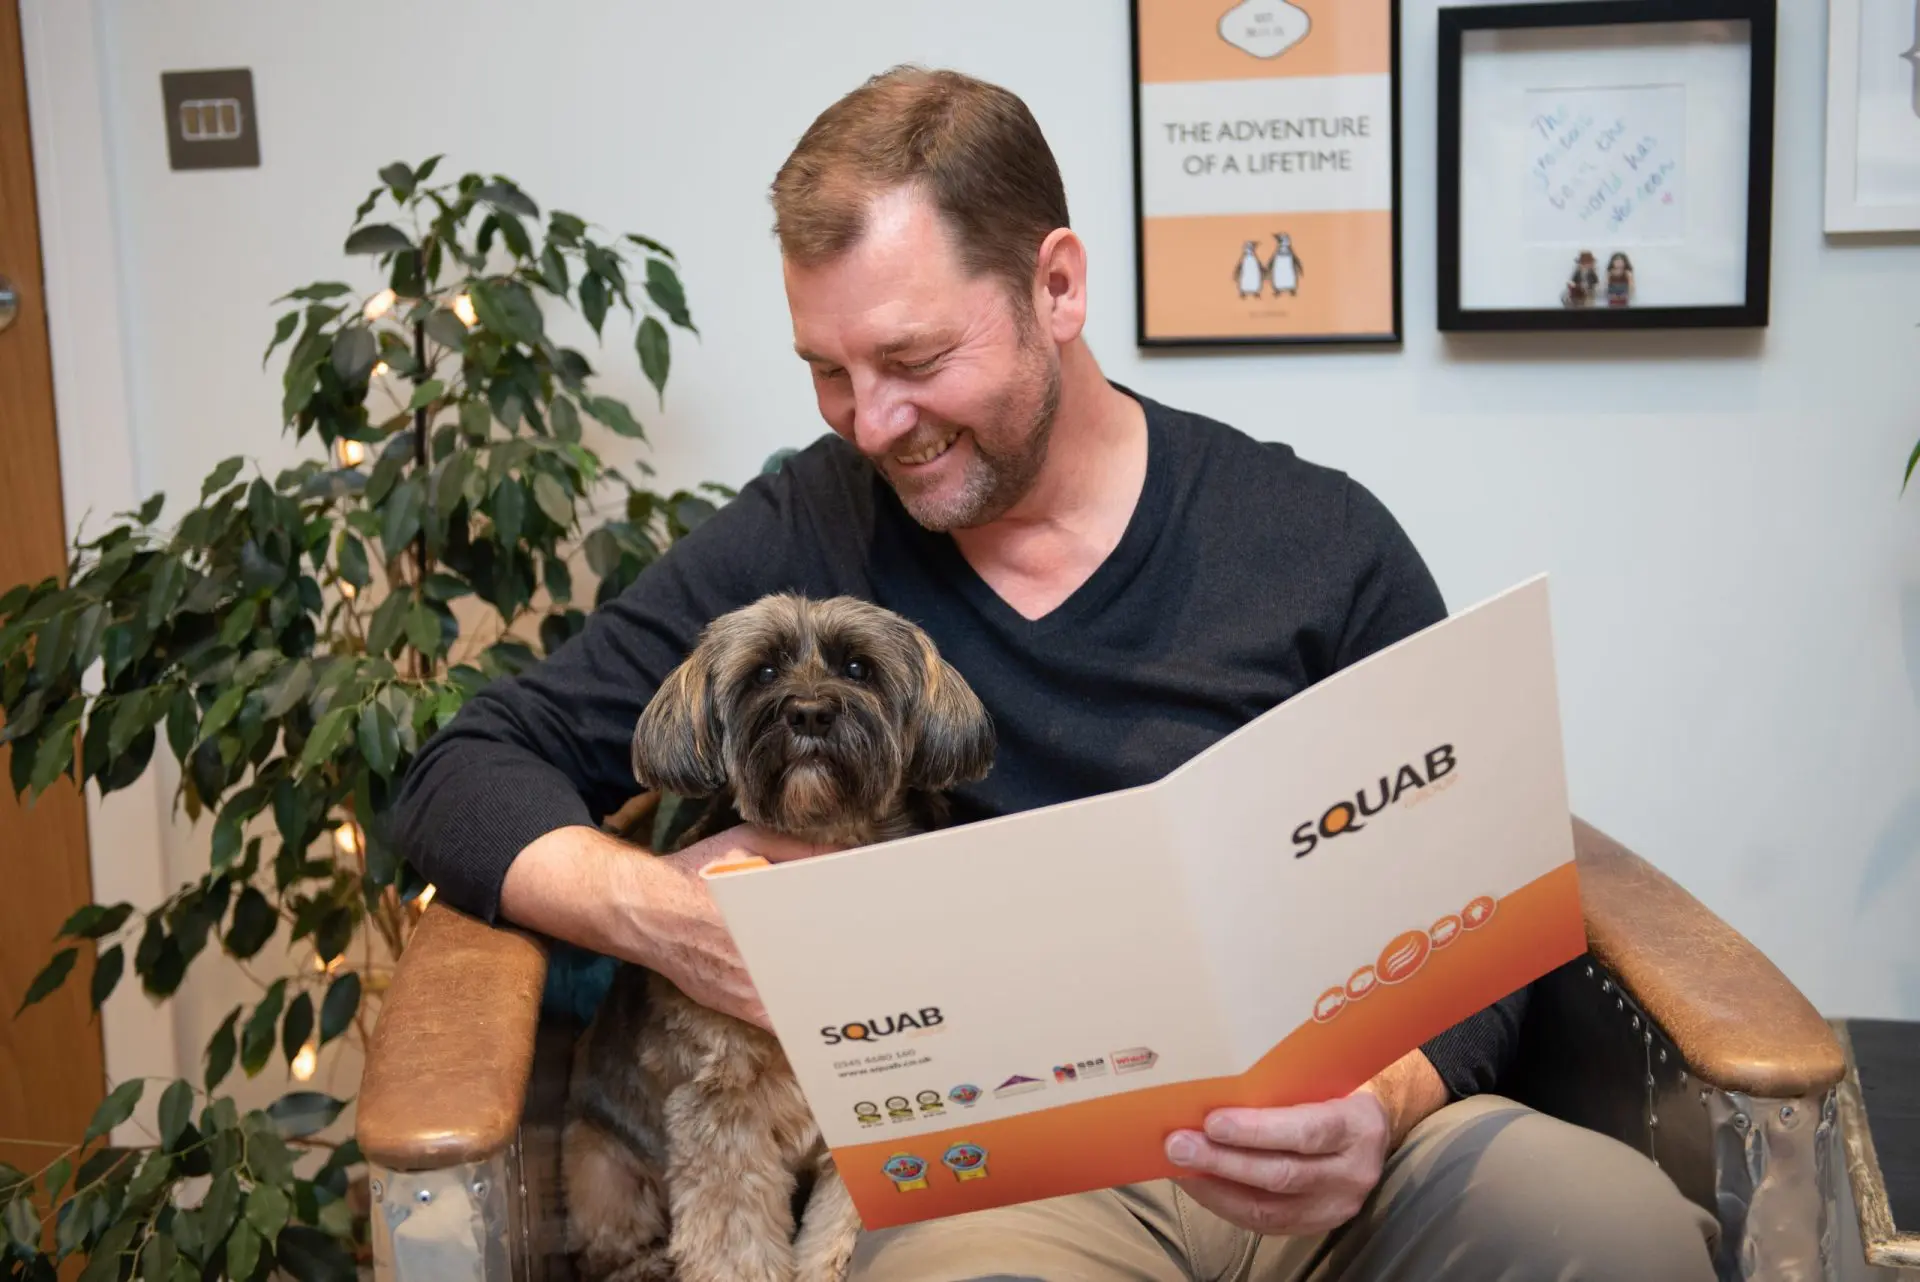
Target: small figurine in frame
1619	280
1583	283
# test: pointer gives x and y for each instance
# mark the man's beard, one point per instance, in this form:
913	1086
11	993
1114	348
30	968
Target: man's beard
994	481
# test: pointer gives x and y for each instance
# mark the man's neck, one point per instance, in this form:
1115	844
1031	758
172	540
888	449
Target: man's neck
1052	541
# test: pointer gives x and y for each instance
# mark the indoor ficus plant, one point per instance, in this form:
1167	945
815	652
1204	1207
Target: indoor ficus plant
291	641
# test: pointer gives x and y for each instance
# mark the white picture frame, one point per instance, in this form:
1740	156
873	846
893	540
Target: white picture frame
1873	117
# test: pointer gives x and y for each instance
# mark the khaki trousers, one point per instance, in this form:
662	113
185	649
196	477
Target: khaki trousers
1483	1191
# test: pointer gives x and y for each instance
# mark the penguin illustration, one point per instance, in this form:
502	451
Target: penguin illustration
1264	28
1250	273
1286	269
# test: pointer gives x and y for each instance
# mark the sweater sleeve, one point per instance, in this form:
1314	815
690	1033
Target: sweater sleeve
1395	596
550	747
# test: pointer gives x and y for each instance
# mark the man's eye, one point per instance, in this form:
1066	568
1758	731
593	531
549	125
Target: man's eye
829	374
766	674
856	670
921	367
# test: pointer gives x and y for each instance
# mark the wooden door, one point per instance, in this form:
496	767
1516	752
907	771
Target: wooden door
52	1073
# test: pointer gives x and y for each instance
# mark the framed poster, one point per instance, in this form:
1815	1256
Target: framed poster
1266	162
1873	115
1605	165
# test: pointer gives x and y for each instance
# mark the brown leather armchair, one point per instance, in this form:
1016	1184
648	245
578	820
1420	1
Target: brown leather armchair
1674	1034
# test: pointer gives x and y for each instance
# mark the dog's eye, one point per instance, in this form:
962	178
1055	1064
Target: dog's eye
856	670
766	674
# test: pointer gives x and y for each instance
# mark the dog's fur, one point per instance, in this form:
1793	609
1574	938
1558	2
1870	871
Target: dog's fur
690	1151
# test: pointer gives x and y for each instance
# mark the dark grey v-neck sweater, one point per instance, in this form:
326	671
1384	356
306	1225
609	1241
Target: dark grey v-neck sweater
1244	576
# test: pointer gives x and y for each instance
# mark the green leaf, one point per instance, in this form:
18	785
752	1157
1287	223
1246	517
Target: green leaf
57	1176
93	921
288	687
646	242
377	238
55	752
423	631
104	1262
663	287
130	717
515	234
446	587
253	925
452	482
311	1256
327	737
379	736
593	299
222	712
318	292
243	1252
506	196
399	176
553	270
116	1108
615	415
299	1114
298	1025
340	1005
176	1110
444	328
559	579
256	1039
509	512
267	1210
507	308
388	621
565	419
400	520
50	978
282	331
106	974
553	500
239	623
354	351
23	1225
654	356
157	1258
220	1050
476	420
1912	459
221	477
352	561
603	552
426	394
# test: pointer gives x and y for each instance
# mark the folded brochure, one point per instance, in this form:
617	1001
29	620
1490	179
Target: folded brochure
1026	1006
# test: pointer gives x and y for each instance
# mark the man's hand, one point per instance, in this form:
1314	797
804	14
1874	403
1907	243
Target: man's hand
581	885
1305	1169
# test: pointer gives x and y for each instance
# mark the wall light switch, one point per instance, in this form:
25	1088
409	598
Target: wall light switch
211	122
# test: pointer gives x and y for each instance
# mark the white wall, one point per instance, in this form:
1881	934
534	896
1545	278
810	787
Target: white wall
1736	581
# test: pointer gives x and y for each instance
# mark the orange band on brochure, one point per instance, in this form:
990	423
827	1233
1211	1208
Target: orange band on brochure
1118	1139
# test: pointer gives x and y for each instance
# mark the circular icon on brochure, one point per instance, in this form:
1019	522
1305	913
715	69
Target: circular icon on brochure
964	1095
906	1171
898	1108
929	1102
966	1161
1360	983
867	1112
1478	913
1444	931
1404	954
1331	1003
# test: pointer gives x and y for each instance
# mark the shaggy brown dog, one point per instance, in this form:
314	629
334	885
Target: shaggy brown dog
690	1152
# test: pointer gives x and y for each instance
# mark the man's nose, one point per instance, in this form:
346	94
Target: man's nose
881	417
809	718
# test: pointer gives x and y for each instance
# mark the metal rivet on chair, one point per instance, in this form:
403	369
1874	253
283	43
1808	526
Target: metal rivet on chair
479	1188
1647	1037
1636	1021
1653	1121
1606	985
424	1196
1786	1112
1663	1057
1619	1003
1589	972
1741	1122
1650	1080
1683	1072
374	1187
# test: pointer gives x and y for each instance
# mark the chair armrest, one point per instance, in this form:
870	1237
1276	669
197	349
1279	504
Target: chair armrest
446	1075
1739	1023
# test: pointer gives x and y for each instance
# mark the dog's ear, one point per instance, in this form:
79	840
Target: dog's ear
676	743
954	737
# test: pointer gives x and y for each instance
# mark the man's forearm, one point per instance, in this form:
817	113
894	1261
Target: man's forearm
1410	1090
583	886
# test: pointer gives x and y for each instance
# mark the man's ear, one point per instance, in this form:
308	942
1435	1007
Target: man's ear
676	744
954	738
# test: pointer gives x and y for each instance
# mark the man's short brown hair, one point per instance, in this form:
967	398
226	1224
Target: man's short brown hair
970	146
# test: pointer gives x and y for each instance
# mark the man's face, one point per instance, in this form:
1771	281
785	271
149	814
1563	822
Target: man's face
928	373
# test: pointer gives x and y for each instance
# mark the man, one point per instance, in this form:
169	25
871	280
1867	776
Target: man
1122	584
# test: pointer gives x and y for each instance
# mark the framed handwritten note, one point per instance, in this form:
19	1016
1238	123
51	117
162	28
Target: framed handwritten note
1266	171
1605	165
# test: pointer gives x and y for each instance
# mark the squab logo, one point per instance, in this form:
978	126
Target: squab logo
868	1030
1345	816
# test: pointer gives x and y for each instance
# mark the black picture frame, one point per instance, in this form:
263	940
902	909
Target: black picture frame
1146	340
1455	23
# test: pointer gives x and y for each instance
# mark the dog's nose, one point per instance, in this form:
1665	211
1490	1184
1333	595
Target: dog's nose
809	718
